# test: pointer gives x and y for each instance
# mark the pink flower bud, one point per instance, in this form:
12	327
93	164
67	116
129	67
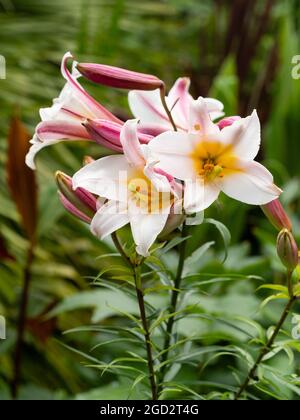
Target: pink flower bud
107	133
73	210
228	121
79	202
118	77
277	215
287	250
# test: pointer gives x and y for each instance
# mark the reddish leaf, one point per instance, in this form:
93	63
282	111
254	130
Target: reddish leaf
4	254
21	179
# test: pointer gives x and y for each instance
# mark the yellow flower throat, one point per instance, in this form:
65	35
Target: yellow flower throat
213	160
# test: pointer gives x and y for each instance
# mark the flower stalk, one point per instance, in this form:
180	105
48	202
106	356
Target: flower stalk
173	307
265	350
136	269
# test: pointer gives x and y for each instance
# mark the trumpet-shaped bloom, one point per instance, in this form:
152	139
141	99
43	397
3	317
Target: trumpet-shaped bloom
63	120
148	108
136	191
211	160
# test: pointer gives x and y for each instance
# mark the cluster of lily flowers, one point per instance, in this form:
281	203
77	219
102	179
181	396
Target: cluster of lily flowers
173	159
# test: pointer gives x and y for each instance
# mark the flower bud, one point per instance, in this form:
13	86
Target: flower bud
118	77
277	215
287	249
107	133
79	202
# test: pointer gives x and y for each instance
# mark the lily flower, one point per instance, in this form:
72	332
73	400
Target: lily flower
211	160
147	107
136	191
63	120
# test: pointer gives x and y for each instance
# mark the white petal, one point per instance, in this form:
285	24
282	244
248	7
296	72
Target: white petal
200	120
145	229
245	136
214	107
173	151
198	195
106	177
109	218
179	101
159	181
37	145
131	145
147	107
253	185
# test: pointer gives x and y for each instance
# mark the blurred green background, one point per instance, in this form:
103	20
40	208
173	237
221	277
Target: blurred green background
239	51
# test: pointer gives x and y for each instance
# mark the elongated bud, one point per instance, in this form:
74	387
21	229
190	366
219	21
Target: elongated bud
73	210
227	122
107	133
118	77
287	249
79	202
277	215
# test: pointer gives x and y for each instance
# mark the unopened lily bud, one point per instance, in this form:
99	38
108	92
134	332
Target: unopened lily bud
107	133
73	210
277	215
287	249
227	122
118	77
79	202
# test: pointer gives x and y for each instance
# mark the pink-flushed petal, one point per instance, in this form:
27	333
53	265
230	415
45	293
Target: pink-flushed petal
152	130
145	228
61	130
106	177
199	195
245	136
147	107
131	145
173	152
179	101
49	133
227	122
159	180
96	109
109	218
253	184
200	120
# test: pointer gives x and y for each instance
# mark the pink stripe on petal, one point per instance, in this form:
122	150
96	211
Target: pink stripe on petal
131	145
228	121
56	130
97	108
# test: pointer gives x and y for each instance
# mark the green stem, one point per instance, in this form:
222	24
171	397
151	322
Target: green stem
267	347
165	105
136	269
173	307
